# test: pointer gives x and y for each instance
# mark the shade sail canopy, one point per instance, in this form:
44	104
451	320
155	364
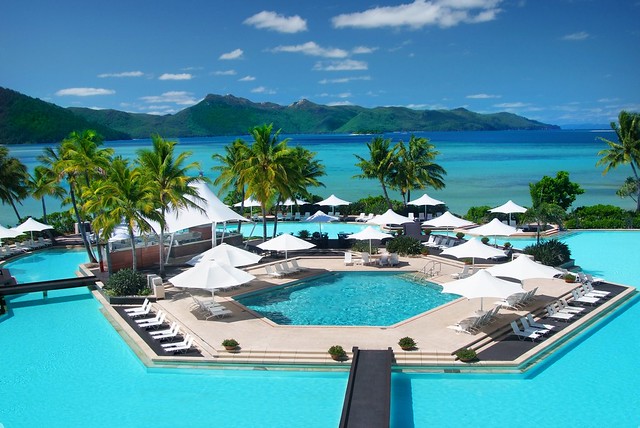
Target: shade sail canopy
320	217
482	284
369	233
210	275
425	200
390	217
523	268
9	232
31	225
290	202
333	201
249	202
227	254
286	242
473	248
447	220
508	207
494	228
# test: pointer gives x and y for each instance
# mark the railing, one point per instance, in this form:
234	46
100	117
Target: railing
429	270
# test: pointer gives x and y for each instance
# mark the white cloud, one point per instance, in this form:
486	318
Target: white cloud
512	105
313	49
363	50
84	92
175	97
421	13
344	79
272	21
483	96
576	37
234	54
180	76
345	65
225	73
247	79
263	90
123	74
340	103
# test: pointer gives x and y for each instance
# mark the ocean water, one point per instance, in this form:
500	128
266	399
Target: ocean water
483	168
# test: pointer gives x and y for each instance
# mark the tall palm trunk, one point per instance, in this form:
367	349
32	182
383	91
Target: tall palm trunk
263	208
386	194
133	250
15	209
161	243
83	235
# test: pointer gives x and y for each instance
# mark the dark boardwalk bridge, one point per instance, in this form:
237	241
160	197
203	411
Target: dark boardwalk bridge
367	401
44	286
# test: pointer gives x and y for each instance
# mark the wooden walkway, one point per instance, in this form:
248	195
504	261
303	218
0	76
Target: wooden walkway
367	401
44	286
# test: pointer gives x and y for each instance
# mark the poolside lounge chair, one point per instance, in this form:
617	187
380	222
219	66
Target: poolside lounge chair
271	272
296	217
348	258
466	272
167	334
467	325
564	306
361	218
529	327
524	334
536	324
366	258
511	302
394	260
183	346
592	292
172	327
421	217
411	216
593	280
140	313
580	297
155	322
139	308
296	266
552	312
383	260
281	269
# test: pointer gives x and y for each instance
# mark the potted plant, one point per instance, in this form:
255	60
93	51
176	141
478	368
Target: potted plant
304	234
407	343
569	278
230	344
484	240
465	355
337	353
460	235
506	245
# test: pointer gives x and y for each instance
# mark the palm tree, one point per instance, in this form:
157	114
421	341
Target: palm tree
626	150
229	169
80	160
13	180
169	174
125	195
267	168
43	183
416	168
381	164
543	214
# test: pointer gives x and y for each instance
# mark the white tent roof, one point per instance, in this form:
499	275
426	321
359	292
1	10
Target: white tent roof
286	242
31	225
494	228
9	233
508	207
390	217
523	268
447	220
482	284
210	275
333	201
320	217
249	202
369	233
425	200
228	254
289	202
473	248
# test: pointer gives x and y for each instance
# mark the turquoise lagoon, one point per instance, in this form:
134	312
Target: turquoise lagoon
64	365
484	168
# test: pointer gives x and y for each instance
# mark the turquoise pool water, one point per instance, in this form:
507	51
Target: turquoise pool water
373	299
293	227
47	264
64	365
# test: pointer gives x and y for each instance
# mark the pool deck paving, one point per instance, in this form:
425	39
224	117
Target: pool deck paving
265	344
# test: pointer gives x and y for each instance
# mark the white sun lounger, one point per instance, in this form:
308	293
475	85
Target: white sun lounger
564	306
529	327
271	272
183	346
535	324
581	298
524	334
592	292
348	258
295	265
156	333
552	312
140	313
139	308
155	322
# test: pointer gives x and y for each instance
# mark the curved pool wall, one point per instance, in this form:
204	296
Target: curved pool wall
47	264
64	365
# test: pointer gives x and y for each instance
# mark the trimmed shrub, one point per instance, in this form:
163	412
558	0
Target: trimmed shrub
126	282
602	217
405	246
550	253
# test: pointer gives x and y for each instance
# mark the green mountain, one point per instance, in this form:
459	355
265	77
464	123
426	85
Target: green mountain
24	119
29	120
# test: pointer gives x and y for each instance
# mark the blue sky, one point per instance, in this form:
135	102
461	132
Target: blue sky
557	61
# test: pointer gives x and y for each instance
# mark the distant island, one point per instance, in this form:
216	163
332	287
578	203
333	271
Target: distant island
24	119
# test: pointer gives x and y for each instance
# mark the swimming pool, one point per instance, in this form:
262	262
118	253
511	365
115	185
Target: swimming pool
47	264
59	353
372	299
293	227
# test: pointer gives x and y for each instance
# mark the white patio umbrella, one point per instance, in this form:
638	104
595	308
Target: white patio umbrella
290	203
31	225
228	254
210	275
508	208
249	202
494	228
425	200
390	217
523	268
447	220
369	233
320	217
286	242
482	284
8	233
333	201
473	248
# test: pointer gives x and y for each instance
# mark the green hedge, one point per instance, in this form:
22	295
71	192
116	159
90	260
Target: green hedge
405	246
602	217
126	282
